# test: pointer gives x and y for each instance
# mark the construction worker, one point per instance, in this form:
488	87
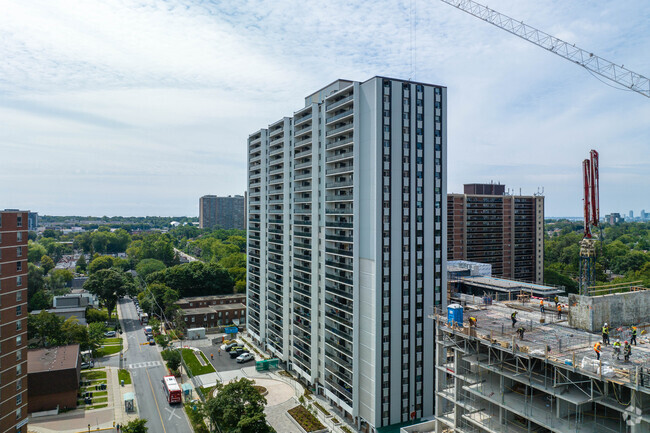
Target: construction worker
633	340
513	316
617	349
541	306
627	351
212	356
521	330
559	311
605	334
472	322
557	300
597	349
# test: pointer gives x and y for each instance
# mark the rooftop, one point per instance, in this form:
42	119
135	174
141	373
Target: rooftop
564	342
53	359
210	298
503	285
214	308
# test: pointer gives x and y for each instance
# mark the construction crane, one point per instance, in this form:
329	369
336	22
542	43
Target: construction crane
593	63
592	217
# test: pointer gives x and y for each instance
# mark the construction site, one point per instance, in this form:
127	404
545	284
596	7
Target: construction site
489	379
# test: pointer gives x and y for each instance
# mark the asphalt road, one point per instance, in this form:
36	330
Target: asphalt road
147	370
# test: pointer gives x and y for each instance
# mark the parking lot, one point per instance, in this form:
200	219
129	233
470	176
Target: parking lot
223	362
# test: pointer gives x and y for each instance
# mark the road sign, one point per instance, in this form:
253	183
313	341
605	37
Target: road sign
231	330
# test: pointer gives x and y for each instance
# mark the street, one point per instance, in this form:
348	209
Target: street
147	370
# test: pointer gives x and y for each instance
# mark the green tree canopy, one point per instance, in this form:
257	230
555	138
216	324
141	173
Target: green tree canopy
81	265
109	285
195	279
35	252
47	264
46	327
138	425
149	266
101	262
238	407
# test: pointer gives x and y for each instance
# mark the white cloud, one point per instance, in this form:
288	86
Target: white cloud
147	105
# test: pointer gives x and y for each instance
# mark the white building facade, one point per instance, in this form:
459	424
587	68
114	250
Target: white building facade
347	244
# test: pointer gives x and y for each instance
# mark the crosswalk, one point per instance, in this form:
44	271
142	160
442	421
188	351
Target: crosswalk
144	364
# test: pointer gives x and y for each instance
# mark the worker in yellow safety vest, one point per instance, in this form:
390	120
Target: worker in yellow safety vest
472	322
513	317
617	349
605	334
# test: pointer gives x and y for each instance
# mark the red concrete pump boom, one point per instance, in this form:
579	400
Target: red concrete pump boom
591	199
586	175
595	205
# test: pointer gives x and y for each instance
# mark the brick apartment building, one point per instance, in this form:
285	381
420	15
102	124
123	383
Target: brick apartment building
54	375
13	320
222	212
485	225
213	311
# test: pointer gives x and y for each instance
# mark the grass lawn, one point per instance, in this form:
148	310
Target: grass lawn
98	406
193	364
198	424
108	350
93	374
116	340
124	375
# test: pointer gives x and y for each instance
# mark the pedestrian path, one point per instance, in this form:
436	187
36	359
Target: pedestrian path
144	364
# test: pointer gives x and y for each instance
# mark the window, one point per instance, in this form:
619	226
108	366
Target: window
19	355
19	266
19	296
19	369
19	399
19	384
19	251
19	236
18	416
19	310
19	325
19	221
19	340
19	280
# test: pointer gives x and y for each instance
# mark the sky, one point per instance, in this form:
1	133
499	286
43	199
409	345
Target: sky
138	108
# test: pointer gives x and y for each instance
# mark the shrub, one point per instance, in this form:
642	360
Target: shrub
306	419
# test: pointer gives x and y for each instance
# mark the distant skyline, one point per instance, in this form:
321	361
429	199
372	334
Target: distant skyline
140	108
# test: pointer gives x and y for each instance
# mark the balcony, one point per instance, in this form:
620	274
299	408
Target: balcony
303	199
304	245
303	234
302	153
341	333
345	114
339	291
302	188
302	256
302	176
301	120
346	169
303	141
303	165
335	264
340	184
276	181
339	143
338	224
340	211
302	222
303	280
299	289
302	303
340	157
338	305
339	103
338	278
339	197
340	252
339	130
302	211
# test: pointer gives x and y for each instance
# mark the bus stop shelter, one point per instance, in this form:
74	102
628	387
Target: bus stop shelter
129	402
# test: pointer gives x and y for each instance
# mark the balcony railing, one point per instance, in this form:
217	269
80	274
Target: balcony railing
346	127
338	143
338	103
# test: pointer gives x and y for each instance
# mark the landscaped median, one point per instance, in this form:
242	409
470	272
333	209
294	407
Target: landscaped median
193	364
110	346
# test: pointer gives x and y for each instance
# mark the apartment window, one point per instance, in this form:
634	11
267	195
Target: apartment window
18	416
19	221
19	310
19	355
19	369
19	266
19	399
19	384
19	340
19	236
19	296
19	325
19	251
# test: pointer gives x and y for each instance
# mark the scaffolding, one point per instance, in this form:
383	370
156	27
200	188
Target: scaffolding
490	380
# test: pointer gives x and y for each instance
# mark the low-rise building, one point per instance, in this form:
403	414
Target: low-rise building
215	315
53	376
204	301
78	313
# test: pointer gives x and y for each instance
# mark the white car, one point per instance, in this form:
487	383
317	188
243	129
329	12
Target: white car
245	357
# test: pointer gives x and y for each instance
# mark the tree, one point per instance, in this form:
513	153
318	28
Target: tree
159	300
109	285
47	264
195	279
136	426
95	335
173	358
40	300
74	332
149	266
93	315
58	279
162	340
46	327
35	252
238	407
81	264
99	263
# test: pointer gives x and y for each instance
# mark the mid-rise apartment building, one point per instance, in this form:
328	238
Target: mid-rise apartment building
223	212
507	231
13	320
346	208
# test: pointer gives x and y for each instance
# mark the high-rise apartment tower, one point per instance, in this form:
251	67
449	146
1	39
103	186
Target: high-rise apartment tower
223	212
13	320
485	225
346	244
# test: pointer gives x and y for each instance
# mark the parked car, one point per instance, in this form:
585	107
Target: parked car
152	341
228	346
236	351
87	364
245	357
109	334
